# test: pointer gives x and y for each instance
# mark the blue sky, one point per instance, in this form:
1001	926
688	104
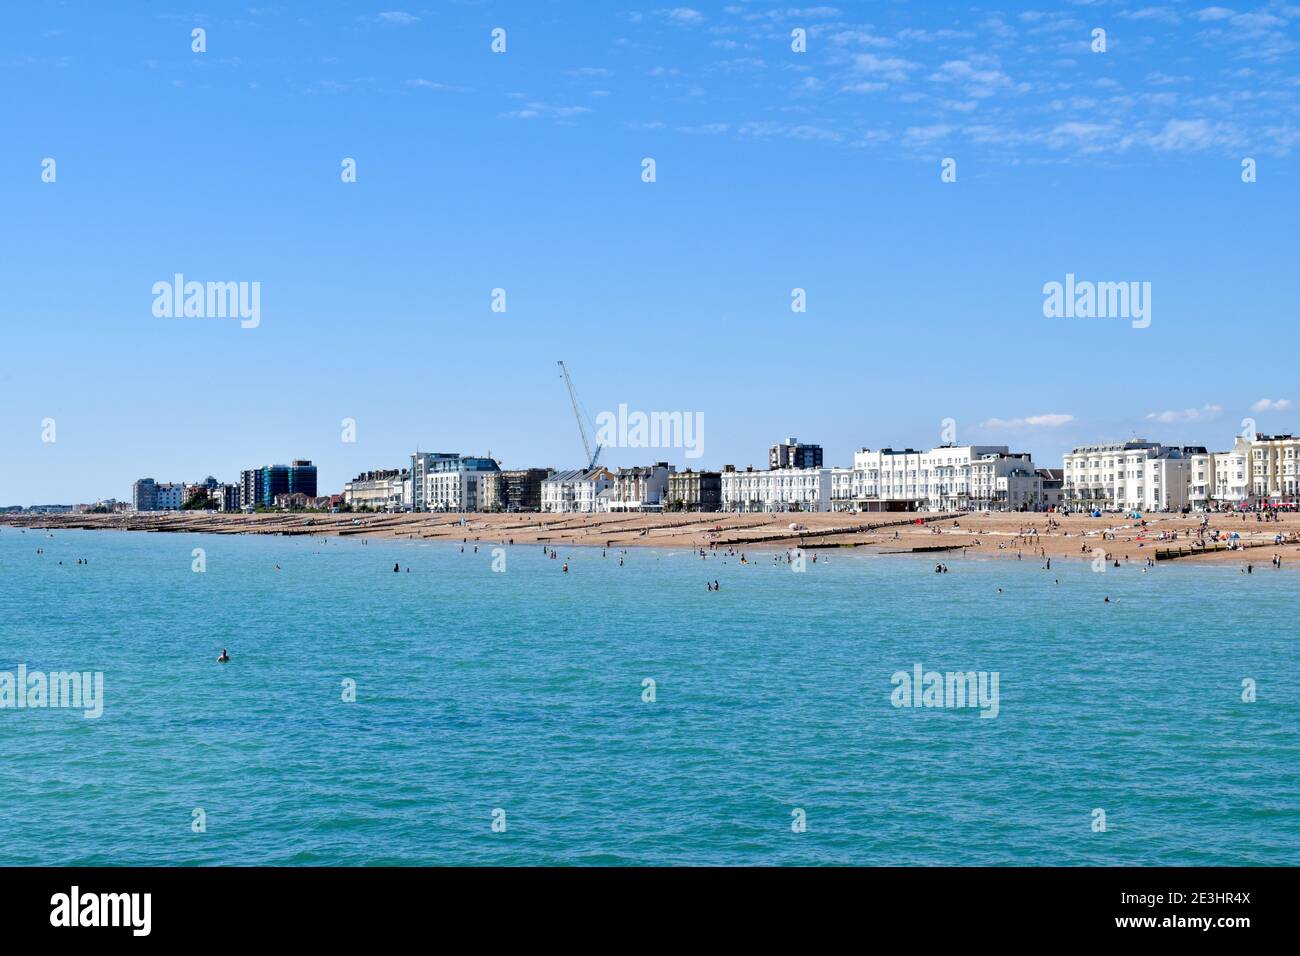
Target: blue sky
522	171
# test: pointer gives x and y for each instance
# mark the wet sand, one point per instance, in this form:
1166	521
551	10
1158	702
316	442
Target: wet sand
997	535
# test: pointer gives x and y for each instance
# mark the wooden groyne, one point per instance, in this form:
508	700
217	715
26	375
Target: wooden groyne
1189	551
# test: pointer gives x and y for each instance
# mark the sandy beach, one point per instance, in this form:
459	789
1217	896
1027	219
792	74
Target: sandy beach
1016	536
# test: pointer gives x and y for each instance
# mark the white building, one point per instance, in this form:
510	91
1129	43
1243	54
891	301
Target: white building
377	490
1020	489
640	489
842	489
149	495
1137	474
422	465
575	490
1274	472
947	478
1168	483
782	489
1201	483
446	481
1232	475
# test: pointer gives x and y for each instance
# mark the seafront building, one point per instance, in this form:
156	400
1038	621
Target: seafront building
449	482
383	490
575	491
225	497
794	454
1231	471
1134	475
422	464
641	488
694	491
258	487
1259	470
947	478
1053	487
204	488
1273	467
515	489
149	495
778	489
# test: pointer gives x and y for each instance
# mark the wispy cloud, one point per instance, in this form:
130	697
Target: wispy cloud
1050	420
1269	405
1203	414
536	109
397	18
894	68
421	84
685	15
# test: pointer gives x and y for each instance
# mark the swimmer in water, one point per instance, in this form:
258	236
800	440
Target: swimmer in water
396	569
224	658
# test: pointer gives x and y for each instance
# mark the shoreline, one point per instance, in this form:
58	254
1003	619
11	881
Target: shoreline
998	534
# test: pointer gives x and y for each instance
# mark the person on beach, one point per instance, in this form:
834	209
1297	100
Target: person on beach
224	658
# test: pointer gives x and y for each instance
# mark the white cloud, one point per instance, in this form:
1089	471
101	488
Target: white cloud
1167	14
1268	405
536	109
681	15
1202	414
398	18
1051	420
893	68
434	85
980	76
858	38
864	87
1192	135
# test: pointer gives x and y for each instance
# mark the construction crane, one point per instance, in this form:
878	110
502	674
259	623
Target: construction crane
577	413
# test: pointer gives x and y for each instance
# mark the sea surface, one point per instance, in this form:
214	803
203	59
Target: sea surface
517	696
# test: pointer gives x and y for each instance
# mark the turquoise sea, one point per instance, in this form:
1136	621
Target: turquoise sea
521	691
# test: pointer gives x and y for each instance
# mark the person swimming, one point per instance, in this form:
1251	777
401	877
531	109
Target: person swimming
224	658
396	568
